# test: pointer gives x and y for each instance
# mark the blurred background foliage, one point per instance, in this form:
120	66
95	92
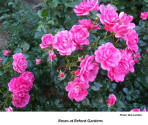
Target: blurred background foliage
25	25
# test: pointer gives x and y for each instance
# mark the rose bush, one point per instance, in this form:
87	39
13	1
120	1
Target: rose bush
75	56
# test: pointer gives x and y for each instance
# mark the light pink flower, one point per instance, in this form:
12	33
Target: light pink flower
23	83
6	52
38	61
89	69
85	7
87	24
125	65
9	109
144	15
47	40
19	63
51	56
138	110
1	59
108	56
108	16
64	43
132	40
111	100
80	35
20	99
77	89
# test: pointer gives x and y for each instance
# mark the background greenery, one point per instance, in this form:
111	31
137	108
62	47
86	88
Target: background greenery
26	26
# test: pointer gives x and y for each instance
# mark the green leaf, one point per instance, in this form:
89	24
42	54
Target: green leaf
96	86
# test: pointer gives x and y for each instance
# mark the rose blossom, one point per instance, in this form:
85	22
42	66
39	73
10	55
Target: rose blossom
64	43
108	56
19	63
1	59
38	61
108	16
125	65
77	72
61	74
87	24
132	40
85	7
80	35
144	15
138	110
20	99
23	83
6	52
9	109
51	56
89	69
77	89
111	100
47	40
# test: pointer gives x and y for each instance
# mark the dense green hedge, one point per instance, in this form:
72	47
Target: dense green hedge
26	27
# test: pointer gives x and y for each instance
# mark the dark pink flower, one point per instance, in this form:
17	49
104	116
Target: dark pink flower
51	56
108	56
47	40
111	100
89	69
138	110
1	59
85	7
80	35
20	99
144	15
6	52
64	43
19	63
77	89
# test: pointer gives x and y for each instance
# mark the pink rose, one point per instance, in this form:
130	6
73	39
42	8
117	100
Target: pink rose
108	16
6	52
108	56
85	7
1	59
111	100
89	69
144	15
132	40
77	72
23	83
20	99
87	24
80	35
38	61
125	65
9	109
61	74
64	43
51	56
19	63
138	110
47	40
77	89
146	50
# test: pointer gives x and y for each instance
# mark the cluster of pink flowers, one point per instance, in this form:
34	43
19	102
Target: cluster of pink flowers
66	42
121	25
19	63
78	88
20	86
144	15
